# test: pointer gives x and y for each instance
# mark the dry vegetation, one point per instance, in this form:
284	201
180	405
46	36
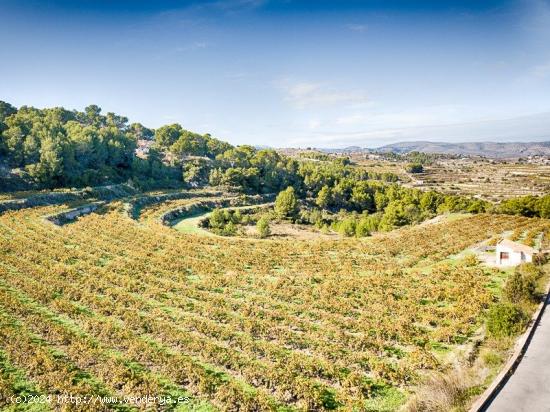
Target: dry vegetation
489	180
109	305
492	180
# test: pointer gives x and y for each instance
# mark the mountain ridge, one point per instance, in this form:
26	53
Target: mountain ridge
486	149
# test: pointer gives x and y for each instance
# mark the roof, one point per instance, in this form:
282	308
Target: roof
517	247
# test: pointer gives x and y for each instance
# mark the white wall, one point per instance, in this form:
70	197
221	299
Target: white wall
514	257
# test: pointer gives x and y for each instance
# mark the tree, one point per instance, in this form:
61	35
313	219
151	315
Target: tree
286	204
429	201
543	207
6	110
263	227
92	115
523	206
415	168
50	167
324	197
394	216
166	136
361	197
217	219
380	201
138	132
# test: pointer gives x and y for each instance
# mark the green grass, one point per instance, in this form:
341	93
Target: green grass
18	386
387	399
190	225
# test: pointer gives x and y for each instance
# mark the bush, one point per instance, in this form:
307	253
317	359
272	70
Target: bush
286	204
363	228
521	285
229	230
347	227
263	227
442	392
505	319
470	260
224	222
415	168
530	269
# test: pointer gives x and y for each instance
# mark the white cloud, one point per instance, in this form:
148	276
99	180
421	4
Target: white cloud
197	45
303	95
522	129
541	71
359	28
314	124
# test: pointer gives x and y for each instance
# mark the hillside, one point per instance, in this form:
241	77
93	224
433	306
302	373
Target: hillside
487	149
132	308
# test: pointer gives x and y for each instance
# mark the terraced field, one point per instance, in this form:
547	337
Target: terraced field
486	179
111	306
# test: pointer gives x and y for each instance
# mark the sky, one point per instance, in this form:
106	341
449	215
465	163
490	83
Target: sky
286	73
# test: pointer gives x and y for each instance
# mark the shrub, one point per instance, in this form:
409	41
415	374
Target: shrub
286	204
217	219
470	260
530	269
520	286
505	319
363	228
442	392
347	227
229	230
415	168
263	227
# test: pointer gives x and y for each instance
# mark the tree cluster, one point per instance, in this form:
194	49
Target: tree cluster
59	148
530	206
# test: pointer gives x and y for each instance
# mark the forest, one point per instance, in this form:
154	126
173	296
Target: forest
55	147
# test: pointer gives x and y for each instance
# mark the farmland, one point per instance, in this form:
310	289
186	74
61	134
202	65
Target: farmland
121	306
488	179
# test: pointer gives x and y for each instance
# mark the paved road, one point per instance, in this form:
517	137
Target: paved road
528	389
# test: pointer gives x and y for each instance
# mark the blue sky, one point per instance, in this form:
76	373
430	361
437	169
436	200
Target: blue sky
290	73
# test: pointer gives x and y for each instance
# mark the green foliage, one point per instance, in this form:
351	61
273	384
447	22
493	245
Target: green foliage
430	201
522	284
60	148
530	206
263	227
224	222
196	172
470	260
367	225
505	319
519	288
286	203
395	215
417	157
347	227
530	270
166	136
415	168
324	197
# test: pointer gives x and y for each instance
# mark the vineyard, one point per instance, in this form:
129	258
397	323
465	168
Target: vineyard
117	304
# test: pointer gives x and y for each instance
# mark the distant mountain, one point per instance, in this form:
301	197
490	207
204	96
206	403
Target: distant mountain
487	149
349	149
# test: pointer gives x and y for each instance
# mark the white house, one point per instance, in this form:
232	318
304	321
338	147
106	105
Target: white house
509	253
